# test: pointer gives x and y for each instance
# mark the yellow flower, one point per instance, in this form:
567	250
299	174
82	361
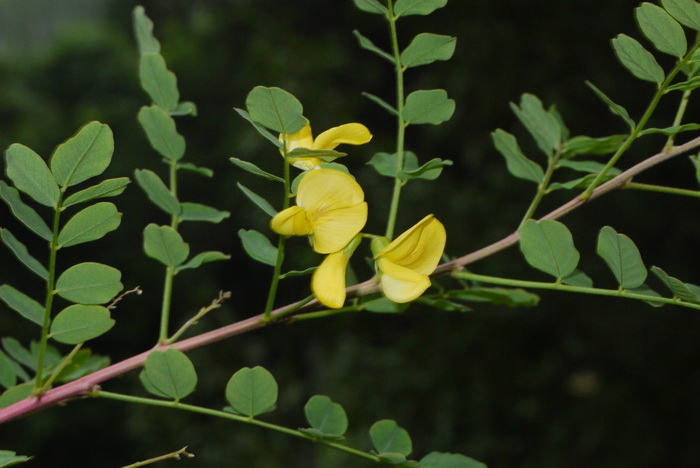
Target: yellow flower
404	264
330	209
328	281
351	134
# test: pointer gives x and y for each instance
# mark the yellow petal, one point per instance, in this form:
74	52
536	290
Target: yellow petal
334	229
301	139
328	189
400	284
351	134
419	248
328	281
291	222
306	164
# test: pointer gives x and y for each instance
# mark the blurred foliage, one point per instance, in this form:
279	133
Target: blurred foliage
577	381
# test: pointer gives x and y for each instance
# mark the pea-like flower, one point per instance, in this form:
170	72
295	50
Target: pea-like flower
330	208
404	264
328	281
351	134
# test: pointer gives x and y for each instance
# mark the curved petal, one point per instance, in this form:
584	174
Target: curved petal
328	281
291	222
419	248
306	164
400	284
334	229
351	134
301	139
327	189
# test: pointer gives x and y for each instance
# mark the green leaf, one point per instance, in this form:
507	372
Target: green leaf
688	85
203	171
639	61
661	29
322	154
518	164
428	107
19	353
275	109
253	169
306	271
259	201
161	132
622	257
578	278
427	48
23	212
171	372
381	102
388	437
417	7
441	303
428	171
671	131
201	258
15	394
594	146
542	125
367	44
79	323
199	212
677	287
159	82
498	296
383	305
384	164
251	392
449	460
165	244
22	254
614	108
324	415
85	155
687	12
695	159
647	291
184	108
143	29
90	224
22	304
259	128
31	175
157	191
258	247
9	458
548	246
585	166
106	188
371	6
582	182
392	458
8	376
89	283
81	367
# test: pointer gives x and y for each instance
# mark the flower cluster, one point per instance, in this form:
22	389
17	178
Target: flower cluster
330	210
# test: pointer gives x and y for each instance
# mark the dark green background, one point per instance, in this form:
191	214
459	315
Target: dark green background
576	382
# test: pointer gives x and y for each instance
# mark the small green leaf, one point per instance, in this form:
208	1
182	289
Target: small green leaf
259	128
441	303
157	191
81	367
171	372
275	109
578	278
259	201
427	48
85	155
639	61
258	247
253	169
542	125
143	29
695	159
497	296
304	272
19	353
647	291
9	458
677	287
15	394
251	392
22	304
417	7
165	244
383	305
8	376
392	458
89	283
428	107
31	175
79	323
326	416
106	188
90	224
614	108
322	154
161	132
189	167
671	131
585	166
384	164
661	29
381	103
688	85
388	437
548	246
159	82
687	12
23	212
201	258
518	164
622	257
371	6
449	460
367	44
582	182
22	254
199	212
593	146
428	171
184	108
